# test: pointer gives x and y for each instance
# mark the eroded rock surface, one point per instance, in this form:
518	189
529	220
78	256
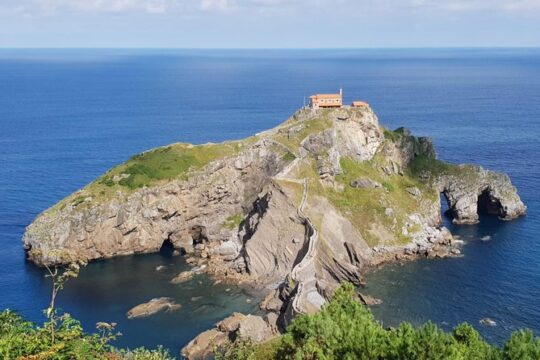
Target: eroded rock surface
235	327
474	190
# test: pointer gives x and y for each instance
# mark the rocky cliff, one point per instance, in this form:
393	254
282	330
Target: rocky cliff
296	209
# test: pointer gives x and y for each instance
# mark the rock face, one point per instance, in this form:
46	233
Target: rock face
479	191
296	209
236	326
153	307
184	213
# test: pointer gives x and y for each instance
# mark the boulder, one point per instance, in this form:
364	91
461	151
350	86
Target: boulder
152	307
488	322
369	300
272	302
365	183
201	348
183	277
414	191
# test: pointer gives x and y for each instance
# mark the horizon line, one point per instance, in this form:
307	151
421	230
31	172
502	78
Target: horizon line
261	48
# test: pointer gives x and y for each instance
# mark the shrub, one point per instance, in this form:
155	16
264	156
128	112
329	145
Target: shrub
345	329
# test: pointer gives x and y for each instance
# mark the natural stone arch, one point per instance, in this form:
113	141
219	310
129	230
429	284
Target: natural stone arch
489	204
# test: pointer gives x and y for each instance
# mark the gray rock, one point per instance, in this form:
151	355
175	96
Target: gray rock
152	307
414	191
488	322
369	300
365	183
477	190
202	347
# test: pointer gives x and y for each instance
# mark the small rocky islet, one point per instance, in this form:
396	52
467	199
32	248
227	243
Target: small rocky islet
294	211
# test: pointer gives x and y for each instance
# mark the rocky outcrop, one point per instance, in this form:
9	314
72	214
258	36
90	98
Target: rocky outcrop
184	213
274	217
153	307
471	191
235	327
296	210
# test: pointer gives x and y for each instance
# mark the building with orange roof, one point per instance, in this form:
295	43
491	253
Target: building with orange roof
326	100
359	104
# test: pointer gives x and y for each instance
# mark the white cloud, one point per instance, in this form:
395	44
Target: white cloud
478	5
47	7
214	4
44	7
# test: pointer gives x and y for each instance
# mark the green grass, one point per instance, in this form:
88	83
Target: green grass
233	221
436	168
425	163
362	207
168	163
288	157
313	126
152	168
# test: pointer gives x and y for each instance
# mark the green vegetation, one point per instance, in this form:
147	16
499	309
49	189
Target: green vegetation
288	157
167	163
365	207
345	329
152	168
234	221
292	139
61	337
425	163
21	339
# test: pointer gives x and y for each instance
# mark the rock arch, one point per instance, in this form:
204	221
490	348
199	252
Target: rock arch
489	204
480	192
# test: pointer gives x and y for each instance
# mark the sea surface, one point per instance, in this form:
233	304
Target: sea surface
66	116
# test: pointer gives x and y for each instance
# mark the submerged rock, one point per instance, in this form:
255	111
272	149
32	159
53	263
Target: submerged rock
152	307
488	322
183	277
369	300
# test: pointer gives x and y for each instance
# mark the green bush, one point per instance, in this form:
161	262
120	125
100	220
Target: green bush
345	329
21	339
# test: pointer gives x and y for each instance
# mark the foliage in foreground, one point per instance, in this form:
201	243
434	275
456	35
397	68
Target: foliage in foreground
345	329
21	339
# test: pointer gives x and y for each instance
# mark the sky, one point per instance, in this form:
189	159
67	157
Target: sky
269	23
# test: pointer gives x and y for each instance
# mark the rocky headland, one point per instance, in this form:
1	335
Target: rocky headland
294	210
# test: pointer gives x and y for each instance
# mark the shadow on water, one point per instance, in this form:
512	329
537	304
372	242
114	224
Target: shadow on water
106	290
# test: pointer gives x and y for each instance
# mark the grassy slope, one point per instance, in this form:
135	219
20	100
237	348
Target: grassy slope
366	207
152	168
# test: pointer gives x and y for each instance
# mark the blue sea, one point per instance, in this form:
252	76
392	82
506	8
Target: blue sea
66	116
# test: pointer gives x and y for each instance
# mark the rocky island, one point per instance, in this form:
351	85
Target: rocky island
294	210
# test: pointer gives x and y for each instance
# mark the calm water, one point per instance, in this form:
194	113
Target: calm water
68	115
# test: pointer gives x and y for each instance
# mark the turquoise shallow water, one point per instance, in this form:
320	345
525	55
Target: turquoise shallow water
66	116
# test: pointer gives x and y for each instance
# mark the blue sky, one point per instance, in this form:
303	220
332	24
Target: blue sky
269	23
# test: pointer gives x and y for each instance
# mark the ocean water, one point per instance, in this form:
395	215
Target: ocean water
66	116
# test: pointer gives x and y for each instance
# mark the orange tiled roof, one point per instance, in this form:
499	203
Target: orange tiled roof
360	103
325	96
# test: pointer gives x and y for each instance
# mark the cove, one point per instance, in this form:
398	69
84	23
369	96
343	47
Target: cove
106	290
